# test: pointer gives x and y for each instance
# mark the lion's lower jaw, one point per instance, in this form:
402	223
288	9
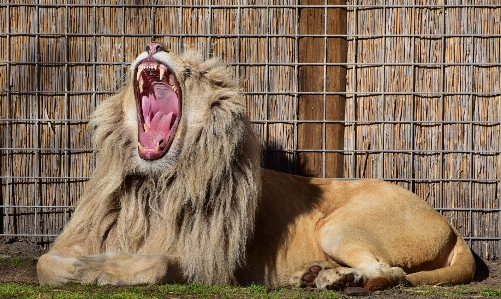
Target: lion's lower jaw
155	168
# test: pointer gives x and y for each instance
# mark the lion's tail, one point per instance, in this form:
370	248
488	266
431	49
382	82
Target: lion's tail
460	271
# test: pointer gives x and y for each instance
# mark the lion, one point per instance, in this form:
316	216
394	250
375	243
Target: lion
179	195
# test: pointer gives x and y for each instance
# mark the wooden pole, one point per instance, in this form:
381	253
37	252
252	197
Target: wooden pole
318	78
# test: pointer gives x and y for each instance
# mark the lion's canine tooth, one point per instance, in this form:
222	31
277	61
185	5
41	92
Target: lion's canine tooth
162	72
141	82
157	148
139	71
141	147
146	128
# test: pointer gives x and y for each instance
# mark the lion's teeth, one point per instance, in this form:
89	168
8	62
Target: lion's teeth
139	71
157	148
146	128
141	82
141	147
162	72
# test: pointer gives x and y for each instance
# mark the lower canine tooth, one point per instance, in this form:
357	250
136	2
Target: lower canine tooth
146	128
139	71
141	147
157	148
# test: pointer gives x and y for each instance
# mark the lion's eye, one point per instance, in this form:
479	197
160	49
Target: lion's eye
187	71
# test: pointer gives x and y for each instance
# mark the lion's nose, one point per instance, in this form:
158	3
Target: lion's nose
153	48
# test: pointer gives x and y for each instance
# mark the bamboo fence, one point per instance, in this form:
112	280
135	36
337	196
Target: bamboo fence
423	107
422	96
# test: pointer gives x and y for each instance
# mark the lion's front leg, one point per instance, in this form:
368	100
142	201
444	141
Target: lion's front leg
114	268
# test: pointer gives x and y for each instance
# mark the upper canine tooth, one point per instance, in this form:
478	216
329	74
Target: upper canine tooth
146	128
162	72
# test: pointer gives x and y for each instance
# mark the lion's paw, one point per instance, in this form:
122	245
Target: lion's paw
339	278
327	276
94	269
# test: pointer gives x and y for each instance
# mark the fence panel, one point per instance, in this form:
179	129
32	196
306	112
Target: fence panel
422	100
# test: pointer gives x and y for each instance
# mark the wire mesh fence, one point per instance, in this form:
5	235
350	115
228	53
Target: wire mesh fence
407	91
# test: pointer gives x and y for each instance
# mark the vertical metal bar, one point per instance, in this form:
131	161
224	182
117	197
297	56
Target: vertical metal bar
123	69
296	89
382	103
499	169
67	152
8	180
38	96
442	100
354	97
412	183
208	44
471	126
267	79
180	25
239	32
497	152
324	96
94	68
152	18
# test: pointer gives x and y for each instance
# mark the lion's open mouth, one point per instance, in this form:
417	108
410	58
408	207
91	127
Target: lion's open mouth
158	98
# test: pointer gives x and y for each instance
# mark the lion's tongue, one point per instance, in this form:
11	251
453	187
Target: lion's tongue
157	128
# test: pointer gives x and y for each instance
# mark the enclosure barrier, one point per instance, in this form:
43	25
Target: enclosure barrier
406	91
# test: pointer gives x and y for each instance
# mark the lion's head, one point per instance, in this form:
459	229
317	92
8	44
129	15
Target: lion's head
176	154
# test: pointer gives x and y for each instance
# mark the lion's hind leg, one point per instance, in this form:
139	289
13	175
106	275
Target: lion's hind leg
358	250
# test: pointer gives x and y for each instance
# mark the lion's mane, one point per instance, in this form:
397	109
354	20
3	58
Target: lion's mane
205	197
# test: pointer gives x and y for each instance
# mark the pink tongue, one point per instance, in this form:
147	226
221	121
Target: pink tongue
159	129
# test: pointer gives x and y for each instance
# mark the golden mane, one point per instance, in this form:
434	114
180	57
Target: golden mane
203	200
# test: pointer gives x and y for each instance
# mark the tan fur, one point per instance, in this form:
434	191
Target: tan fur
207	212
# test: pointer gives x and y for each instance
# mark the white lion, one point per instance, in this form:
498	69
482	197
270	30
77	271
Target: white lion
178	195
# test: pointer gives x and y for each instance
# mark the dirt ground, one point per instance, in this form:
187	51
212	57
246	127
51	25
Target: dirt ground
18	264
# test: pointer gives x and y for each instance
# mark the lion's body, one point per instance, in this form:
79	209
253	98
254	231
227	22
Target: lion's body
353	223
205	211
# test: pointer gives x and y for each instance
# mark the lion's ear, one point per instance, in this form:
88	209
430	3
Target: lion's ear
215	104
217	82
